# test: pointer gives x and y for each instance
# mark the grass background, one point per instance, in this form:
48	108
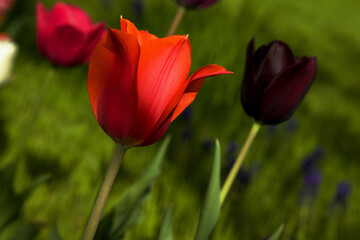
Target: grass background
47	125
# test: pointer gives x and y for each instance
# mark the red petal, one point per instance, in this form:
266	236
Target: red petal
65	35
41	26
163	67
112	83
65	14
282	97
142	36
158	133
63	46
93	37
196	81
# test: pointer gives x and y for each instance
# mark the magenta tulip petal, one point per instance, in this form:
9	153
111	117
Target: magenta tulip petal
65	35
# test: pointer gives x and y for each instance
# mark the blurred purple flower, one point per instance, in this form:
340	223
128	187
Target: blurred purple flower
292	125
310	186
246	175
312	160
207	144
195	3
188	133
138	7
232	148
271	129
231	154
342	193
187	114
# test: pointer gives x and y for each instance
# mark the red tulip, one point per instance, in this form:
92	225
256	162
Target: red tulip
275	82
138	83
66	34
5	5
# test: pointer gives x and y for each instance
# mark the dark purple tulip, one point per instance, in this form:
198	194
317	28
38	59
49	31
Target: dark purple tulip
275	82
195	3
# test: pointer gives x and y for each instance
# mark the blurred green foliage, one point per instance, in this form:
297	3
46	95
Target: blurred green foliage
47	125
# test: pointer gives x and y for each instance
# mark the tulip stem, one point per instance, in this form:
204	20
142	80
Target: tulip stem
236	167
177	19
105	189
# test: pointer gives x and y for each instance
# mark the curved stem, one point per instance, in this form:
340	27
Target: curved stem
177	19
235	169
105	189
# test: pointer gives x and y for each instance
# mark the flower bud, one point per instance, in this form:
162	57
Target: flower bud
275	82
138	83
66	35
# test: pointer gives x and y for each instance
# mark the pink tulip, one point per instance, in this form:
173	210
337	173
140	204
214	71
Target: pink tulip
5	5
65	34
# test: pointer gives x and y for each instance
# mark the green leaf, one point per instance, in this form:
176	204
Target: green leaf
277	234
166	232
10	201
128	211
19	230
211	209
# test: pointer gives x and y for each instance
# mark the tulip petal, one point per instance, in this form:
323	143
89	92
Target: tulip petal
41	26
248	99
158	133
64	44
285	93
207	3
196	81
142	36
66	35
269	61
112	83
163	67
65	14
93	37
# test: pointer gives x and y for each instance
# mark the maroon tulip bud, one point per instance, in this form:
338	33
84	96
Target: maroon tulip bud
195	3
275	82
66	35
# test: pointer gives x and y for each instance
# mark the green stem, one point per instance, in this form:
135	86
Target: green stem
177	19
103	195
235	169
